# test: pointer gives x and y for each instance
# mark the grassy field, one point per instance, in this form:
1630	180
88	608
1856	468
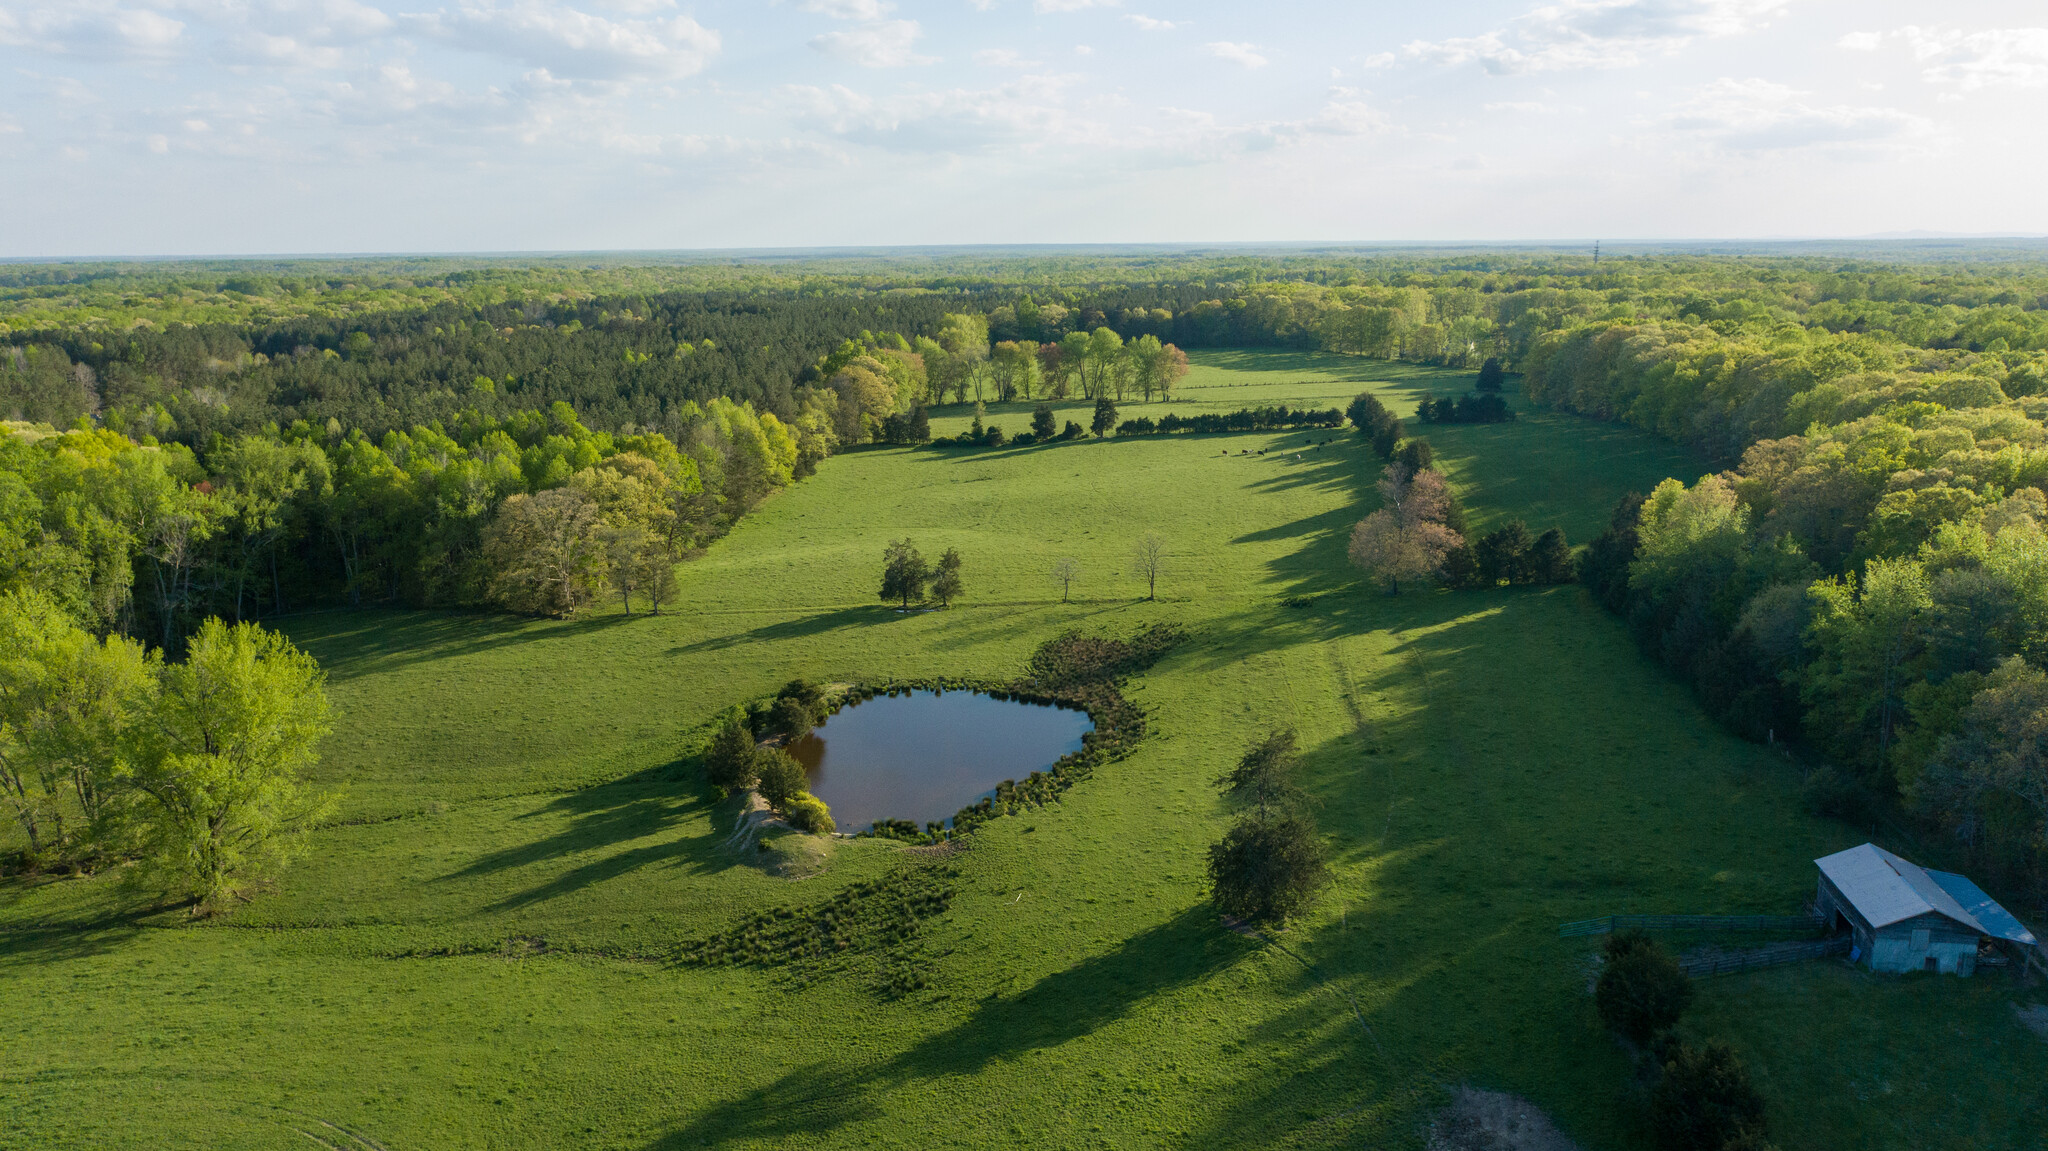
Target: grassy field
1489	764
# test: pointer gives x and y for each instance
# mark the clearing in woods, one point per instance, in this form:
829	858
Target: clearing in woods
475	957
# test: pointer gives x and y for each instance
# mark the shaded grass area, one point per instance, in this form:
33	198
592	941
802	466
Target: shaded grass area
1487	765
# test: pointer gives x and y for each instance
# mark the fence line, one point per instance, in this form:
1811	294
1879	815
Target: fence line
1607	924
1763	957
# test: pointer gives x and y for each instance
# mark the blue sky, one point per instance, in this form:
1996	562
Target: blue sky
256	126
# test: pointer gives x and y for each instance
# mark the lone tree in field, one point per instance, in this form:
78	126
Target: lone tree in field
1151	560
1042	425
1268	870
1066	570
1406	539
1490	375
904	572
1270	866
222	757
946	586
1105	416
1641	992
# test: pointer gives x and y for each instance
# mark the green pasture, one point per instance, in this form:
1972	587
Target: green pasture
468	959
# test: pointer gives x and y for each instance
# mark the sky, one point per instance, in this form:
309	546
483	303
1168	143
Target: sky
169	127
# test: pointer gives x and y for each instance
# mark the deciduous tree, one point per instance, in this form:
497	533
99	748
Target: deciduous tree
221	760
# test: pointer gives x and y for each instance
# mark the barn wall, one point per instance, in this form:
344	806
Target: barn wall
1953	948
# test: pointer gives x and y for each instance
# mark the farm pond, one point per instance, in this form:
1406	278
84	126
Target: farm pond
924	755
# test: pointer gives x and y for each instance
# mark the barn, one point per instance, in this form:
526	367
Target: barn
1906	918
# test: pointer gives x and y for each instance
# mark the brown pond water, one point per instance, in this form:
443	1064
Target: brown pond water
925	755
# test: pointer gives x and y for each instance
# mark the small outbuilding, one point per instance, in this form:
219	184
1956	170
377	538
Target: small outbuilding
1904	917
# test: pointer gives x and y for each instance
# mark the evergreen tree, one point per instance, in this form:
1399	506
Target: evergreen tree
1042	424
1550	559
1416	456
729	762
1490	375
1105	414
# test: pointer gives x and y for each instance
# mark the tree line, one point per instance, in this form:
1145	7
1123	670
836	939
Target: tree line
534	512
192	770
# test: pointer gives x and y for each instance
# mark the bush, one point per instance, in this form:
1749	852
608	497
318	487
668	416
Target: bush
1706	1102
1072	431
1042	425
806	812
1641	992
729	763
790	718
779	778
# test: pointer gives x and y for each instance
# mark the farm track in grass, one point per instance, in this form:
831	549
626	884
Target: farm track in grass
1488	765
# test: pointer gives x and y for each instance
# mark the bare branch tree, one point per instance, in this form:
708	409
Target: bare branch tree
1151	560
1065	570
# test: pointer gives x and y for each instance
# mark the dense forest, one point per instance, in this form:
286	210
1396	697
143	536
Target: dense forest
1865	573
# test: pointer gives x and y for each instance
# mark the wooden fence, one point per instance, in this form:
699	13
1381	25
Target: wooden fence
1608	924
1755	957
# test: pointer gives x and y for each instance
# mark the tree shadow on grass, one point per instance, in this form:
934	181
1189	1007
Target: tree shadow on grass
816	623
1062	1007
353	644
639	807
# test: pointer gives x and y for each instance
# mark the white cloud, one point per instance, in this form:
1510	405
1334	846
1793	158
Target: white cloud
848	9
577	44
1529	106
90	28
1150	24
886	44
1595	34
1245	54
1071	5
1860	41
1003	58
1993	58
159	144
1025	111
1760	116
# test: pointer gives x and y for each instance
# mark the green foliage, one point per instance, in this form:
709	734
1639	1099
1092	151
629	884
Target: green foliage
904	573
778	777
946	584
1704	1101
1641	992
1416	456
732	760
873	919
1268	869
808	813
791	718
1105	417
221	763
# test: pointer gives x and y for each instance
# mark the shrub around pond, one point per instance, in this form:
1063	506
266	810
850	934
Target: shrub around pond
780	778
732	761
806	812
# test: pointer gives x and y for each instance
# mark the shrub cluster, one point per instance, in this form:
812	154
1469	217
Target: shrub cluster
1703	1099
879	919
1278	418
1380	427
1509	555
1472	409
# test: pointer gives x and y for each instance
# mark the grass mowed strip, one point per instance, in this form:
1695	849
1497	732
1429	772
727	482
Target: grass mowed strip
482	955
